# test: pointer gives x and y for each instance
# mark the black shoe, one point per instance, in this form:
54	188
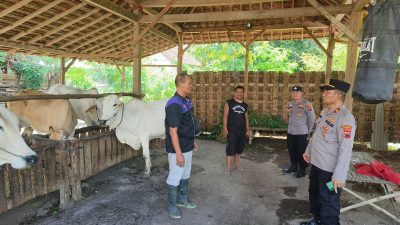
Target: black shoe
314	221
300	173
291	169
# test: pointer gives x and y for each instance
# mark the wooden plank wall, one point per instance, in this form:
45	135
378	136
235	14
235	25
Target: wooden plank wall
269	92
62	165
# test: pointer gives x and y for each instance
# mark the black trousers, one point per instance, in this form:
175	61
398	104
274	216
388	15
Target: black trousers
323	202
297	145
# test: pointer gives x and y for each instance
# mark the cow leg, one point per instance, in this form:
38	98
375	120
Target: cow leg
146	157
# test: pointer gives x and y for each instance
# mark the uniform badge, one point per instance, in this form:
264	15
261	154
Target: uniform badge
347	131
337	110
299	112
330	121
309	107
325	130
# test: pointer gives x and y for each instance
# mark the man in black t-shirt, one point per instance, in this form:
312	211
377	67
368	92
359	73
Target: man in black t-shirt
236	128
179	143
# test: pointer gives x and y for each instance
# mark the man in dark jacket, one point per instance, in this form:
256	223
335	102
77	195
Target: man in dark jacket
179	143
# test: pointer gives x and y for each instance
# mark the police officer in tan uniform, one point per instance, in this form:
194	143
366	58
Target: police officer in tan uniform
329	152
301	121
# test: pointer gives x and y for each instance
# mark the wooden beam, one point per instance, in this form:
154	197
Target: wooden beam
360	4
50	51
66	96
316	41
110	44
91	40
81	37
70	64
197	3
247	15
256	28
154	22
163	36
170	25
14	7
114	9
29	16
107	41
123	13
256	36
47	22
351	61
325	12
78	19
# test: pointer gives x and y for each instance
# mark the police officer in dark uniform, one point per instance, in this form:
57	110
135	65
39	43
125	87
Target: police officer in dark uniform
301	121
329	153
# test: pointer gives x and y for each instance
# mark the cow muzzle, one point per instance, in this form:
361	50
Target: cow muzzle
30	160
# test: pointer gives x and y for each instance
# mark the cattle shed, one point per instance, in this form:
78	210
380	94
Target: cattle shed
121	32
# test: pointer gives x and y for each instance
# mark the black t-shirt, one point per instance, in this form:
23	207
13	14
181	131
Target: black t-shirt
236	116
178	113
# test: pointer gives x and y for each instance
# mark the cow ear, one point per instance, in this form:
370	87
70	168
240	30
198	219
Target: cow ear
92	109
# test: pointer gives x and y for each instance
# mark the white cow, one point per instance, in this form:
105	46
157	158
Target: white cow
87	109
136	123
13	149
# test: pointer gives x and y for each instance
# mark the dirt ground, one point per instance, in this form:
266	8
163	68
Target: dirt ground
261	194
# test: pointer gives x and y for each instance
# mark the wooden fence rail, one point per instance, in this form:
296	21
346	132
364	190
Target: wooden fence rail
62	165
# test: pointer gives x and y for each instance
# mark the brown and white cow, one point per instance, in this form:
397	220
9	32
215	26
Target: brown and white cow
13	149
51	116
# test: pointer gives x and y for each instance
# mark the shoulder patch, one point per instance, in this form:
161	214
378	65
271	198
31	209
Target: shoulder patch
347	131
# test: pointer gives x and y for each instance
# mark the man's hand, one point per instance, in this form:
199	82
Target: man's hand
225	132
306	157
248	133
180	160
196	147
337	184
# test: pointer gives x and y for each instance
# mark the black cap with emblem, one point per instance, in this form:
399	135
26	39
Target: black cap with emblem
297	88
336	85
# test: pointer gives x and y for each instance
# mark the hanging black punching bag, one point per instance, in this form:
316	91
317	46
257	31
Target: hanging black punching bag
379	53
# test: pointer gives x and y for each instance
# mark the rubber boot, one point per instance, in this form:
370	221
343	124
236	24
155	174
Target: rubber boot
172	196
182	200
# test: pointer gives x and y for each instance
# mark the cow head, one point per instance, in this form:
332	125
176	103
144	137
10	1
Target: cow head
111	106
13	149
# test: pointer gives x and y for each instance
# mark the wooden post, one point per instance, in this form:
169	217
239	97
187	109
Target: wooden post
329	58
62	72
379	137
180	53
246	72
246	66
137	86
351	61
